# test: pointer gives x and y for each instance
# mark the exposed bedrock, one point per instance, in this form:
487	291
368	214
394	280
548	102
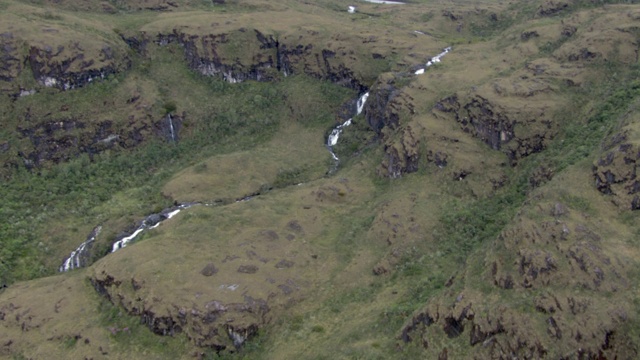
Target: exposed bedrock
263	57
387	103
401	156
386	106
552	7
63	139
217	325
516	133
71	68
615	173
562	326
555	275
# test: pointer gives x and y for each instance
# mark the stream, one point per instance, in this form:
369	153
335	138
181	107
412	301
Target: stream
332	139
81	256
434	60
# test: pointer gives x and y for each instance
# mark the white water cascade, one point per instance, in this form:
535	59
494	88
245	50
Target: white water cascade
434	60
73	261
151	222
173	132
332	139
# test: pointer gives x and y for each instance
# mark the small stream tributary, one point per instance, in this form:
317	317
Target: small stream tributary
80	257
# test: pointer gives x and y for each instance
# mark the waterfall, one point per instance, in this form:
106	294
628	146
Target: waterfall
74	259
361	101
150	222
173	133
332	139
433	60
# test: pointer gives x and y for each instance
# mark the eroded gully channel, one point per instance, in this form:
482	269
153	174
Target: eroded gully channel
81	256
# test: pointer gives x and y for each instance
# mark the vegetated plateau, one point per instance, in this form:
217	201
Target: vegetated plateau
485	204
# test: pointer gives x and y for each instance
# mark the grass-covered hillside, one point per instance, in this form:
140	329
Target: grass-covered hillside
484	205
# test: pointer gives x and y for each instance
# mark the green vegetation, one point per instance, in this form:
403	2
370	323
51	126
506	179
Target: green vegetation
500	223
80	188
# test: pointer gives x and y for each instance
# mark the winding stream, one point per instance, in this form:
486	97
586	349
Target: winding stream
80	256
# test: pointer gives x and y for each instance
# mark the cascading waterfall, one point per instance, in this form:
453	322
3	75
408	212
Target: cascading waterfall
332	139
434	60
173	133
150	222
74	260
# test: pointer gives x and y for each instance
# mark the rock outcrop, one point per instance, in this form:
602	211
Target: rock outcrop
402	155
386	104
495	124
203	325
562	271
615	173
265	57
66	138
69	67
10	64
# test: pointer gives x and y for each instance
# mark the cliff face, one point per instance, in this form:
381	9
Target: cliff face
261	57
235	56
74	70
615	171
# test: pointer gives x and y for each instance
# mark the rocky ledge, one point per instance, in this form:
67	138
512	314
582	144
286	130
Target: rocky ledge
554	275
270	58
615	172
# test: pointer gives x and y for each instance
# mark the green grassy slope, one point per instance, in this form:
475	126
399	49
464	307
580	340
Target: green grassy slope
493	216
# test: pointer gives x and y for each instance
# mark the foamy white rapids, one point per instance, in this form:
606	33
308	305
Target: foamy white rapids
124	241
332	139
434	60
50	82
361	101
145	225
173	134
335	133
173	213
73	261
